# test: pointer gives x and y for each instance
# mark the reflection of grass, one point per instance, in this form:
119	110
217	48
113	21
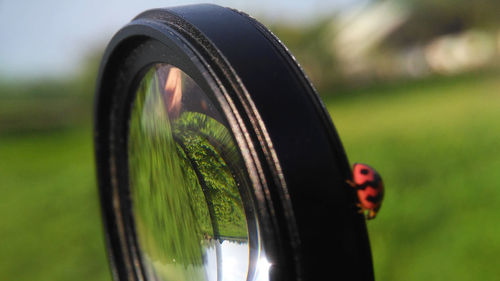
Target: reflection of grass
438	151
166	224
183	192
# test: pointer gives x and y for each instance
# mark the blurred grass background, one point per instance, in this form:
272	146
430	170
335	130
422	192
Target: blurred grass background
420	102
437	148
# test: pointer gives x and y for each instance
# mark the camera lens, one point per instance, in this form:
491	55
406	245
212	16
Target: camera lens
216	159
184	179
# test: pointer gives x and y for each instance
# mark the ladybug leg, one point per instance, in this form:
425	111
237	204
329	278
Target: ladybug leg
371	215
361	208
351	183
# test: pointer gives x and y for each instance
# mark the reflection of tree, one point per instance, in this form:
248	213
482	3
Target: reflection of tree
201	136
182	187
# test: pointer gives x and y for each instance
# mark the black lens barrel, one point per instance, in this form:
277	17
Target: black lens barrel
306	212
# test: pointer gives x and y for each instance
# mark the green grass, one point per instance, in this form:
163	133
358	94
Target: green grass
50	223
437	148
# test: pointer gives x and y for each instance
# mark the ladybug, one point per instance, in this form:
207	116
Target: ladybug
370	189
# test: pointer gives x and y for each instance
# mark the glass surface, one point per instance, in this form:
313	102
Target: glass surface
184	173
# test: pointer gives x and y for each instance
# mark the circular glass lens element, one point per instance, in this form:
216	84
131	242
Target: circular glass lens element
186	176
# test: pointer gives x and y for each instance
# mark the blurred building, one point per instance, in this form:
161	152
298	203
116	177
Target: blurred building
389	40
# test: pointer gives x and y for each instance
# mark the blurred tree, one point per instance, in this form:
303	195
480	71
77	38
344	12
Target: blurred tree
431	18
311	46
47	104
85	83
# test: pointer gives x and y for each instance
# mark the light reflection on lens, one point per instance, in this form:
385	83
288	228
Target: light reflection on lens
184	173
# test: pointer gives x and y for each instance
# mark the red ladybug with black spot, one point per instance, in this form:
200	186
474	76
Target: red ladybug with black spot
370	189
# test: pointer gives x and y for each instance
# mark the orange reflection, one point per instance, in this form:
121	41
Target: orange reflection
173	92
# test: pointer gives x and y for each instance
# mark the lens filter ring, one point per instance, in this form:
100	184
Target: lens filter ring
211	145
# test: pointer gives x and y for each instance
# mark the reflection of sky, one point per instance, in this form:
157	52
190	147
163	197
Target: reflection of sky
211	263
234	263
52	36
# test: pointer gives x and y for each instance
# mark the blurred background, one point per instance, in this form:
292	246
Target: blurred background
412	86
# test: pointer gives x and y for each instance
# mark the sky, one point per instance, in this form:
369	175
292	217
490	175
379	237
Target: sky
51	38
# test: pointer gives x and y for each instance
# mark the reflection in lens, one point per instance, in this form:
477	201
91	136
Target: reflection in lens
184	173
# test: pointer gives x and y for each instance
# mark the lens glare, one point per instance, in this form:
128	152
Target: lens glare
184	174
